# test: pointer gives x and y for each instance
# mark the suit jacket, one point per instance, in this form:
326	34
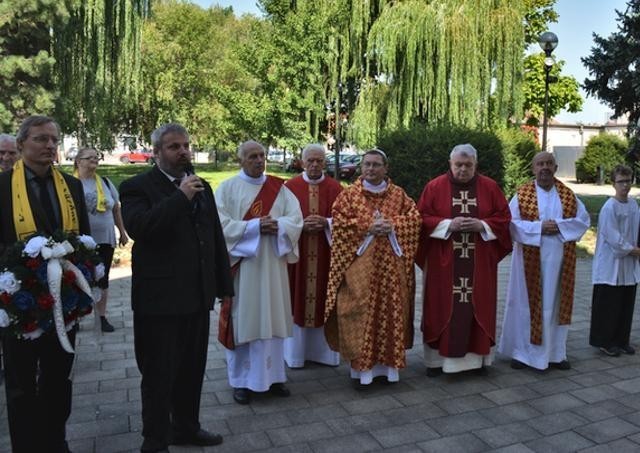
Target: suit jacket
7	229
180	262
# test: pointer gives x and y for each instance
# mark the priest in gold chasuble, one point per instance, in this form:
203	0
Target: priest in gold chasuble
370	298
465	235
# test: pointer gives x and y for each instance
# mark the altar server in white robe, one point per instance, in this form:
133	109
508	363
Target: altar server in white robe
616	270
547	220
262	222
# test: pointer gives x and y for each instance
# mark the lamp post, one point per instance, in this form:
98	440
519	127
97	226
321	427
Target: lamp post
338	144
548	42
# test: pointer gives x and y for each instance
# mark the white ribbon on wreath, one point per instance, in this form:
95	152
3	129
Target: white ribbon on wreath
54	254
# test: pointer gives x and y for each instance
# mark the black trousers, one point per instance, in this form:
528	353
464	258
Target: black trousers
171	352
611	315
38	392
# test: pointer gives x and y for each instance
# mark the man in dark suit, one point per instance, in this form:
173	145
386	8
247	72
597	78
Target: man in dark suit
180	265
37	371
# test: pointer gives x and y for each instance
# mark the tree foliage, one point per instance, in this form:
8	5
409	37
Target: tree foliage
564	92
602	153
97	66
26	63
613	65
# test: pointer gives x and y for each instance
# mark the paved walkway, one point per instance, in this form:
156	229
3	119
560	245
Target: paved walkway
594	407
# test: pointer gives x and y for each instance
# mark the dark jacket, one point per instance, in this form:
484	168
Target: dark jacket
179	262
7	229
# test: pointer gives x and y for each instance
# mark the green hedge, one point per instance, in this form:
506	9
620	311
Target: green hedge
604	150
419	154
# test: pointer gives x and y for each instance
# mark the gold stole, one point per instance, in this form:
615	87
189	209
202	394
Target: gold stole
528	203
23	220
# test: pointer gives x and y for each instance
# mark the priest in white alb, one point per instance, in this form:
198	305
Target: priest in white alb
262	222
547	221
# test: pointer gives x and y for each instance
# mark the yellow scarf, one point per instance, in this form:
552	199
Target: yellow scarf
23	220
101	205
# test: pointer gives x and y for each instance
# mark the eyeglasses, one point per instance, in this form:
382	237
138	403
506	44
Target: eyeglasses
623	181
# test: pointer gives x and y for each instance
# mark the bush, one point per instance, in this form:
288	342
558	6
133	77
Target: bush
518	148
604	150
419	154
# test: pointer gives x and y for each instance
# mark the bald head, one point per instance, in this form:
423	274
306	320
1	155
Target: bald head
8	151
544	168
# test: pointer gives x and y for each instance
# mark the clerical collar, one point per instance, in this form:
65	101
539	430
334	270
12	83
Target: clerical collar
257	181
373	187
312	181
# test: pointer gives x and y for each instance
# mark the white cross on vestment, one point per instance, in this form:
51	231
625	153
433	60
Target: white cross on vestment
464	202
464	246
463	290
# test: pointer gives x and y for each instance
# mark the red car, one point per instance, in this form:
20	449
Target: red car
139	156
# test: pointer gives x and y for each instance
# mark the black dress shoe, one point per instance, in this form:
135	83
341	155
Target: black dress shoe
279	389
628	349
242	395
564	365
434	372
517	364
201	438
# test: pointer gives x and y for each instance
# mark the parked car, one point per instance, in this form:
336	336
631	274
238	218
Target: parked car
139	156
349	168
293	165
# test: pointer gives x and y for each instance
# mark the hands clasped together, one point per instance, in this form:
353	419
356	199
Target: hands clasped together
466	225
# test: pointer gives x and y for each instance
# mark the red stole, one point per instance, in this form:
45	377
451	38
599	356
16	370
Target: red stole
261	206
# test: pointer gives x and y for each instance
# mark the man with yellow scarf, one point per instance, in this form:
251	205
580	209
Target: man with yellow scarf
36	198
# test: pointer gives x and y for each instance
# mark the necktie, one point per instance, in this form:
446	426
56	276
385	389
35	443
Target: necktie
45	201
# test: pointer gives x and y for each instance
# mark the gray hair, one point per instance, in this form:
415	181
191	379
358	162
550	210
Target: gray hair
242	149
464	150
159	133
34	121
8	138
311	147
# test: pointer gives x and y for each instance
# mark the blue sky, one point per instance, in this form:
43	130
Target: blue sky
579	19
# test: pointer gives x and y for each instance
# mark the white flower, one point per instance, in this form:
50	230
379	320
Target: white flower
9	283
99	271
4	318
88	241
33	335
96	293
34	245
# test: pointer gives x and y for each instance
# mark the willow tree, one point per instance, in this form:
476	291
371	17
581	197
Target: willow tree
455	62
97	67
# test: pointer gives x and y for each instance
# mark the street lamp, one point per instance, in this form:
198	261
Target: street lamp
338	144
548	42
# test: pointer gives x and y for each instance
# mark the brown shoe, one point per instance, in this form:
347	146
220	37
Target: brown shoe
564	365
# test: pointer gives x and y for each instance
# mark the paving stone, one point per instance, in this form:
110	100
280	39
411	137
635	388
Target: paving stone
597	378
457	424
602	410
374	404
404	434
463	443
554	385
300	433
464	404
316	414
356	442
358	423
414	413
567	441
510	413
504	435
629	385
619	446
597	393
240	443
607	430
515	448
556	423
253	422
511	395
555	403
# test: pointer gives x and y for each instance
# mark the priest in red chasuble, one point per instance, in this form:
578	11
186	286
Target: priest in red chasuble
369	308
465	219
316	193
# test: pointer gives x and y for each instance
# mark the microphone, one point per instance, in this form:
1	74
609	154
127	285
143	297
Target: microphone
197	198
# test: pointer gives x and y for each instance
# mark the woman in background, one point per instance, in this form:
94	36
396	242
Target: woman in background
103	205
